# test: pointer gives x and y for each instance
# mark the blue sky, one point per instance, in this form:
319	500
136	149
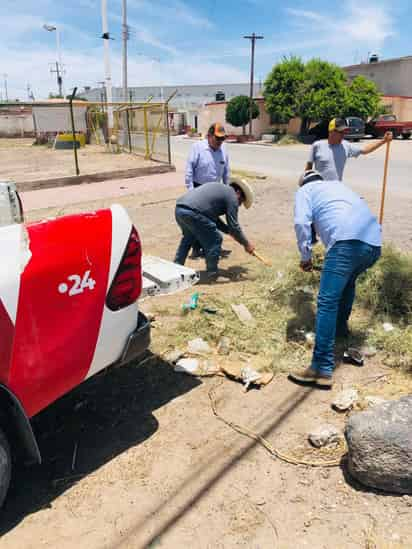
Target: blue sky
191	42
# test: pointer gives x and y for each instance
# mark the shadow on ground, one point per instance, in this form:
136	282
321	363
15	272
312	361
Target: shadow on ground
101	418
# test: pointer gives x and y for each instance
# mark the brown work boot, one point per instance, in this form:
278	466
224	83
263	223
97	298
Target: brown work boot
324	381
304	376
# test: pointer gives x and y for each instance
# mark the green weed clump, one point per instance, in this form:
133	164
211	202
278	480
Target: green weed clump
386	289
288	140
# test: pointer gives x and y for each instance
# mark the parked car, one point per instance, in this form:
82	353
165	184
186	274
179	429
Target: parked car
389	122
355	131
69	290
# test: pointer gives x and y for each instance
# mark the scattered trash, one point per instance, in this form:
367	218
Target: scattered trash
209	310
388	327
310	338
173	356
353	356
324	435
307	290
280	275
244	373
249	376
223	347
186	307
369	352
372	401
345	400
187	366
198	346
243	313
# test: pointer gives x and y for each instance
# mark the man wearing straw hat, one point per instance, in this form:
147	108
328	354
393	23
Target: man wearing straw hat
198	216
352	238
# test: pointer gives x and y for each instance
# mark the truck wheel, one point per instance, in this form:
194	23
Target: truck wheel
5	467
406	135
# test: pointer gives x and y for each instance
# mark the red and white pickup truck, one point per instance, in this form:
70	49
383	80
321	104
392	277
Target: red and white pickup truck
69	290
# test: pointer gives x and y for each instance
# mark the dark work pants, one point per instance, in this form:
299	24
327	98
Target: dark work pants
198	227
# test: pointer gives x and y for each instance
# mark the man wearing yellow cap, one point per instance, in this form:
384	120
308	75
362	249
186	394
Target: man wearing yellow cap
328	156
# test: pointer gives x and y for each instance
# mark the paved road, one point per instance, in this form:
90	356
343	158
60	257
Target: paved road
289	161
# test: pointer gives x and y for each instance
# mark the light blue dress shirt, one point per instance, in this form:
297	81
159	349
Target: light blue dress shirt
205	165
337	214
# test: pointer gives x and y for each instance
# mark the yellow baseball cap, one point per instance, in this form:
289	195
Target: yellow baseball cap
337	124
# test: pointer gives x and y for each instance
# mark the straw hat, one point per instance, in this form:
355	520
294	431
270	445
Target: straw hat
246	189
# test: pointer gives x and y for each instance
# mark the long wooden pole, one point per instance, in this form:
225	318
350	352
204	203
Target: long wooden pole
385	173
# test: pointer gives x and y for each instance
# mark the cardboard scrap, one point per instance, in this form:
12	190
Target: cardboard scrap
236	371
243	313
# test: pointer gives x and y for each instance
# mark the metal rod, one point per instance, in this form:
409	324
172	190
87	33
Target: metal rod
128	131
253	39
125	37
76	161
169	153
385	173
107	70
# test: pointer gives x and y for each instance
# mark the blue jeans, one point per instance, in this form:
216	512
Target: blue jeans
344	262
198	227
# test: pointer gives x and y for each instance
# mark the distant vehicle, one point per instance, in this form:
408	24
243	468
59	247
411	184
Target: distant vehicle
355	131
389	123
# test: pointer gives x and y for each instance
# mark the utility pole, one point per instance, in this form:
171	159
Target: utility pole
59	65
125	37
252	39
108	77
5	87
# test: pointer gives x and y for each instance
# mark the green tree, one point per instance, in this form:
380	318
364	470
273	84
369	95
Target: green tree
364	99
317	91
238	111
282	90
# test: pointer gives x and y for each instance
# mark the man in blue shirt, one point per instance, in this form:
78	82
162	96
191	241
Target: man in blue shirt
352	238
208	162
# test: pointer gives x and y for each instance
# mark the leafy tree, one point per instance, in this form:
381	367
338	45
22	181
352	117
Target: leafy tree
238	111
317	91
55	96
282	89
364	99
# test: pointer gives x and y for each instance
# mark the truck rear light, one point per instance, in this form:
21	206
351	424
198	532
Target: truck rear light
127	284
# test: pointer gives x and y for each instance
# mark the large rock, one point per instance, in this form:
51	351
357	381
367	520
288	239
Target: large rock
380	446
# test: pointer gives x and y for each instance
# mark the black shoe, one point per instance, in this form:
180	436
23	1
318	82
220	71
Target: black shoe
197	254
225	253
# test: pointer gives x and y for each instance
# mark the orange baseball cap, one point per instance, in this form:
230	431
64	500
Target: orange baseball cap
217	130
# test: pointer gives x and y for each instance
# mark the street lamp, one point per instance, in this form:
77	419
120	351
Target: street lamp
58	71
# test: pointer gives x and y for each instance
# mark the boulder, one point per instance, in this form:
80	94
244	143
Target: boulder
380	446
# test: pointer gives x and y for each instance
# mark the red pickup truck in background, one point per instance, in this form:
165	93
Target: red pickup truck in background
389	123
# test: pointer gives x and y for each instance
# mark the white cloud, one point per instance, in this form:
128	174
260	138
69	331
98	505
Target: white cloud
361	24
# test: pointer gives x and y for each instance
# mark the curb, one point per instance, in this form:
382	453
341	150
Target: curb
93	177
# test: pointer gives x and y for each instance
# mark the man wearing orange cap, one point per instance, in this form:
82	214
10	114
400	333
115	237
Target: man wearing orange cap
328	156
208	162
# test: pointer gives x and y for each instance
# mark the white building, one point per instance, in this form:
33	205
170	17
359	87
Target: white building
189	100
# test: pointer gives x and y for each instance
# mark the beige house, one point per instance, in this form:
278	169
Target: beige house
401	106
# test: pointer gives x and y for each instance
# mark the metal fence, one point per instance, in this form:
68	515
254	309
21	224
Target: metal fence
139	128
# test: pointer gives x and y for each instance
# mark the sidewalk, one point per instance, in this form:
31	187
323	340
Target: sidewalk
64	196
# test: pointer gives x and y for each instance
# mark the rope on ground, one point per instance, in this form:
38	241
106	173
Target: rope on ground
271	449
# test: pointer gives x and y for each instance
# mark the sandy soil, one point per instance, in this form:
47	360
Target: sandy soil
21	161
155	468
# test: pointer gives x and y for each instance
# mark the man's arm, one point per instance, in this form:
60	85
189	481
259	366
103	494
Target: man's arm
222	226
234	228
303	221
311	159
190	167
226	169
373	146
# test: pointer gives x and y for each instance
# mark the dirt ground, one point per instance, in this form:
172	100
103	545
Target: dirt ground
22	162
155	468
